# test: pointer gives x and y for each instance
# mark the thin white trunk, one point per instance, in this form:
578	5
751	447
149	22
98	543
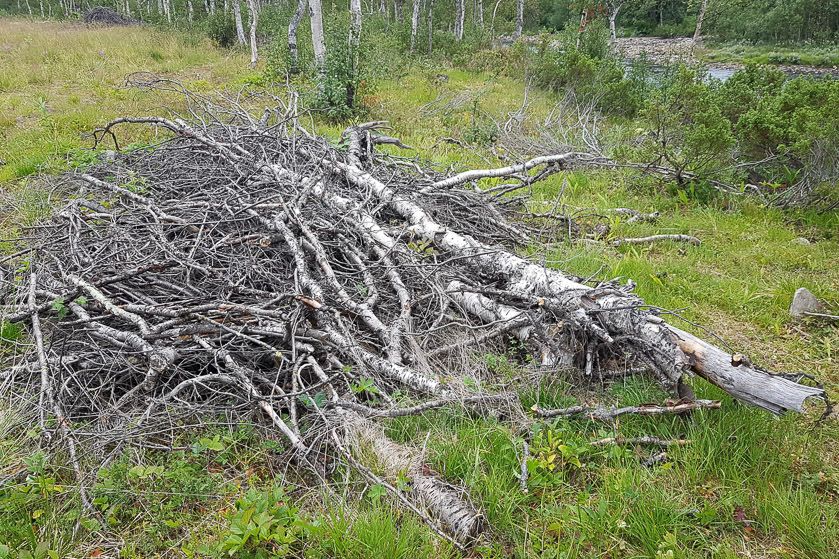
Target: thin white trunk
355	26
519	18
430	25
460	19
237	16
318	42
253	12
293	53
415	24
614	8
212	6
479	13
492	23
190	11
699	19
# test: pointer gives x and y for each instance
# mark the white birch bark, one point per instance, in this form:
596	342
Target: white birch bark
460	19
614	7
318	42
415	24
293	53
430	26
355	26
237	16
671	350
519	18
253	12
699	19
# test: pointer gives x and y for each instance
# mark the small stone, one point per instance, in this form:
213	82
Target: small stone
803	302
800	241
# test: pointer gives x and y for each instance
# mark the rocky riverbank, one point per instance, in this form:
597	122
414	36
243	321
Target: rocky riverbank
661	51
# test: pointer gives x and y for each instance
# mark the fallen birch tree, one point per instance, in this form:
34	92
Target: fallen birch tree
250	266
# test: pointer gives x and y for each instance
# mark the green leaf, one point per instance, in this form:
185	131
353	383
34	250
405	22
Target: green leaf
376	492
213	444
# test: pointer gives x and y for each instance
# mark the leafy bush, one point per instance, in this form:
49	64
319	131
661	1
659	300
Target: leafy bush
221	28
687	131
263	525
589	69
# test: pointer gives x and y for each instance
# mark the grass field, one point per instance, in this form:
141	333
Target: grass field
749	485
805	55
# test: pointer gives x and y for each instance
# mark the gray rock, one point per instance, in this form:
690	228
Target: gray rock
803	302
800	241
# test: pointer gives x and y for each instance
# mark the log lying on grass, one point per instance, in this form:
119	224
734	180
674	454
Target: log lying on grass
250	267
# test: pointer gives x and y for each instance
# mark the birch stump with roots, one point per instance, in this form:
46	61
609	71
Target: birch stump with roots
247	265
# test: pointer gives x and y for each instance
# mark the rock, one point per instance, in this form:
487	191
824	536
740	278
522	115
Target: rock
800	241
803	302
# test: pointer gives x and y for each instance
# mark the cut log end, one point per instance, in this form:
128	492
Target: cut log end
741	379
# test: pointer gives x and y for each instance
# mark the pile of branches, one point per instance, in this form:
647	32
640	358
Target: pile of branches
103	16
245	265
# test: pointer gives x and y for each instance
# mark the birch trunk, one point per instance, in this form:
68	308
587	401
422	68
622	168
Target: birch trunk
519	18
699	19
253	12
430	25
613	16
293	53
237	16
190	12
460	19
316	20
668	350
479	13
355	27
415	24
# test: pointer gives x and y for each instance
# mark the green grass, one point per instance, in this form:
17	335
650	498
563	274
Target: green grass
748	484
826	56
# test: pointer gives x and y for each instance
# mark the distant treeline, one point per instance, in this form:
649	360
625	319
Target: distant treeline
758	21
730	20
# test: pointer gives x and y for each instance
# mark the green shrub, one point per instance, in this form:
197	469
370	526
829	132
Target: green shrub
263	525
221	29
687	132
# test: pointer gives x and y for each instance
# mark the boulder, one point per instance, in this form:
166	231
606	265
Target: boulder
803	302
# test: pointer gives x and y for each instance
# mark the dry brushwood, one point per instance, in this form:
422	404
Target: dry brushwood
246	266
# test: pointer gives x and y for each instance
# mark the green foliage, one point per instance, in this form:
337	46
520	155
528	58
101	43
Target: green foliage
221	28
589	69
10	332
686	132
262	525
552	458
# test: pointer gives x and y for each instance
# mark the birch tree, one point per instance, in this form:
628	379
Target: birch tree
318	42
460	17
613	7
430	25
699	19
415	24
519	18
237	16
293	53
253	12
